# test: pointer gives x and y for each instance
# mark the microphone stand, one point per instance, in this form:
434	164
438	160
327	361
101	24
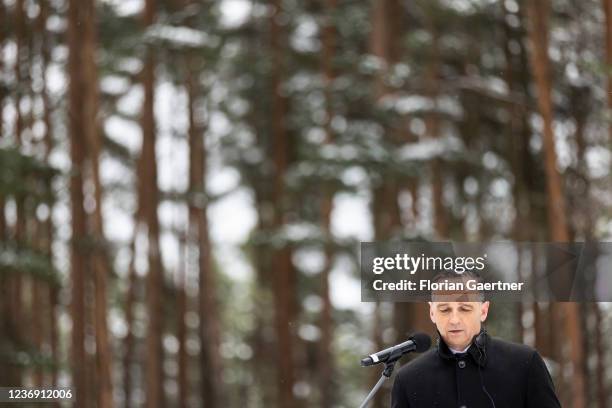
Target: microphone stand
389	366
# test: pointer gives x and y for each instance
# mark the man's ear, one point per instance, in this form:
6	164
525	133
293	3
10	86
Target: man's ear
431	312
484	311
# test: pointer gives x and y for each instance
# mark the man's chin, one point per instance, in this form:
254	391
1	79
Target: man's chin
456	340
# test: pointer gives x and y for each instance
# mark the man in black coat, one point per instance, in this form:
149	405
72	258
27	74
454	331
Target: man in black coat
471	369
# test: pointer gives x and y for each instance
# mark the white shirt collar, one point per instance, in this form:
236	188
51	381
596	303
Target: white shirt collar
459	351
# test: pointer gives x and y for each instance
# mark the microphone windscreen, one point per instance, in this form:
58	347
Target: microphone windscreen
422	342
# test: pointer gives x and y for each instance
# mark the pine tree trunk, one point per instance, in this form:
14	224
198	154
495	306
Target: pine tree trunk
542	314
379	42
99	261
53	334
149	200
522	224
210	363
183	236
45	60
37	305
77	153
432	126
283	274
20	66
181	332
385	212
16	284
264	348
50	294
380	400
130	300
325	366
580	110
538	12
432	130
382	208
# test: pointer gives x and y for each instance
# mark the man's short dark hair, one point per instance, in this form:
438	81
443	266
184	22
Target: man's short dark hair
452	276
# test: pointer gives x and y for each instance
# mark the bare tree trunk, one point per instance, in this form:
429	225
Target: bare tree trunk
53	334
538	11
385	212
419	315
130	300
432	125
99	261
264	348
17	282
183	236
326	363
380	400
19	67
131	297
38	301
432	130
522	224
47	234
379	42
181	333
77	153
326	366
538	40
581	109
36	305
283	276
85	141
45	59
210	364
542	311
149	201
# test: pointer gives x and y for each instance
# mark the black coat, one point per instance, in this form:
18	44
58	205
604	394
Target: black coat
513	375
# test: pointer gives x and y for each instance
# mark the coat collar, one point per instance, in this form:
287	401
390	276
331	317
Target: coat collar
477	349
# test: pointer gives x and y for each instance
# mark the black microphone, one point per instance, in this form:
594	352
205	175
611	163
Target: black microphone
418	342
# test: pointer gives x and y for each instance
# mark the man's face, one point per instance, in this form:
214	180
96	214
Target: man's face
458	322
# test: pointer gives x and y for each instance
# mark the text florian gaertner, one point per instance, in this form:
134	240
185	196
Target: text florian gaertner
428	285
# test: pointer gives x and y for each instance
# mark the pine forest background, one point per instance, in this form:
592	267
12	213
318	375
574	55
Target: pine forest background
184	185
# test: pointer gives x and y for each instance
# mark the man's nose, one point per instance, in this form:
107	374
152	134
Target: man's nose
454	318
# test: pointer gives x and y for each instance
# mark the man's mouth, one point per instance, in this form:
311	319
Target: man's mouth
455	331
